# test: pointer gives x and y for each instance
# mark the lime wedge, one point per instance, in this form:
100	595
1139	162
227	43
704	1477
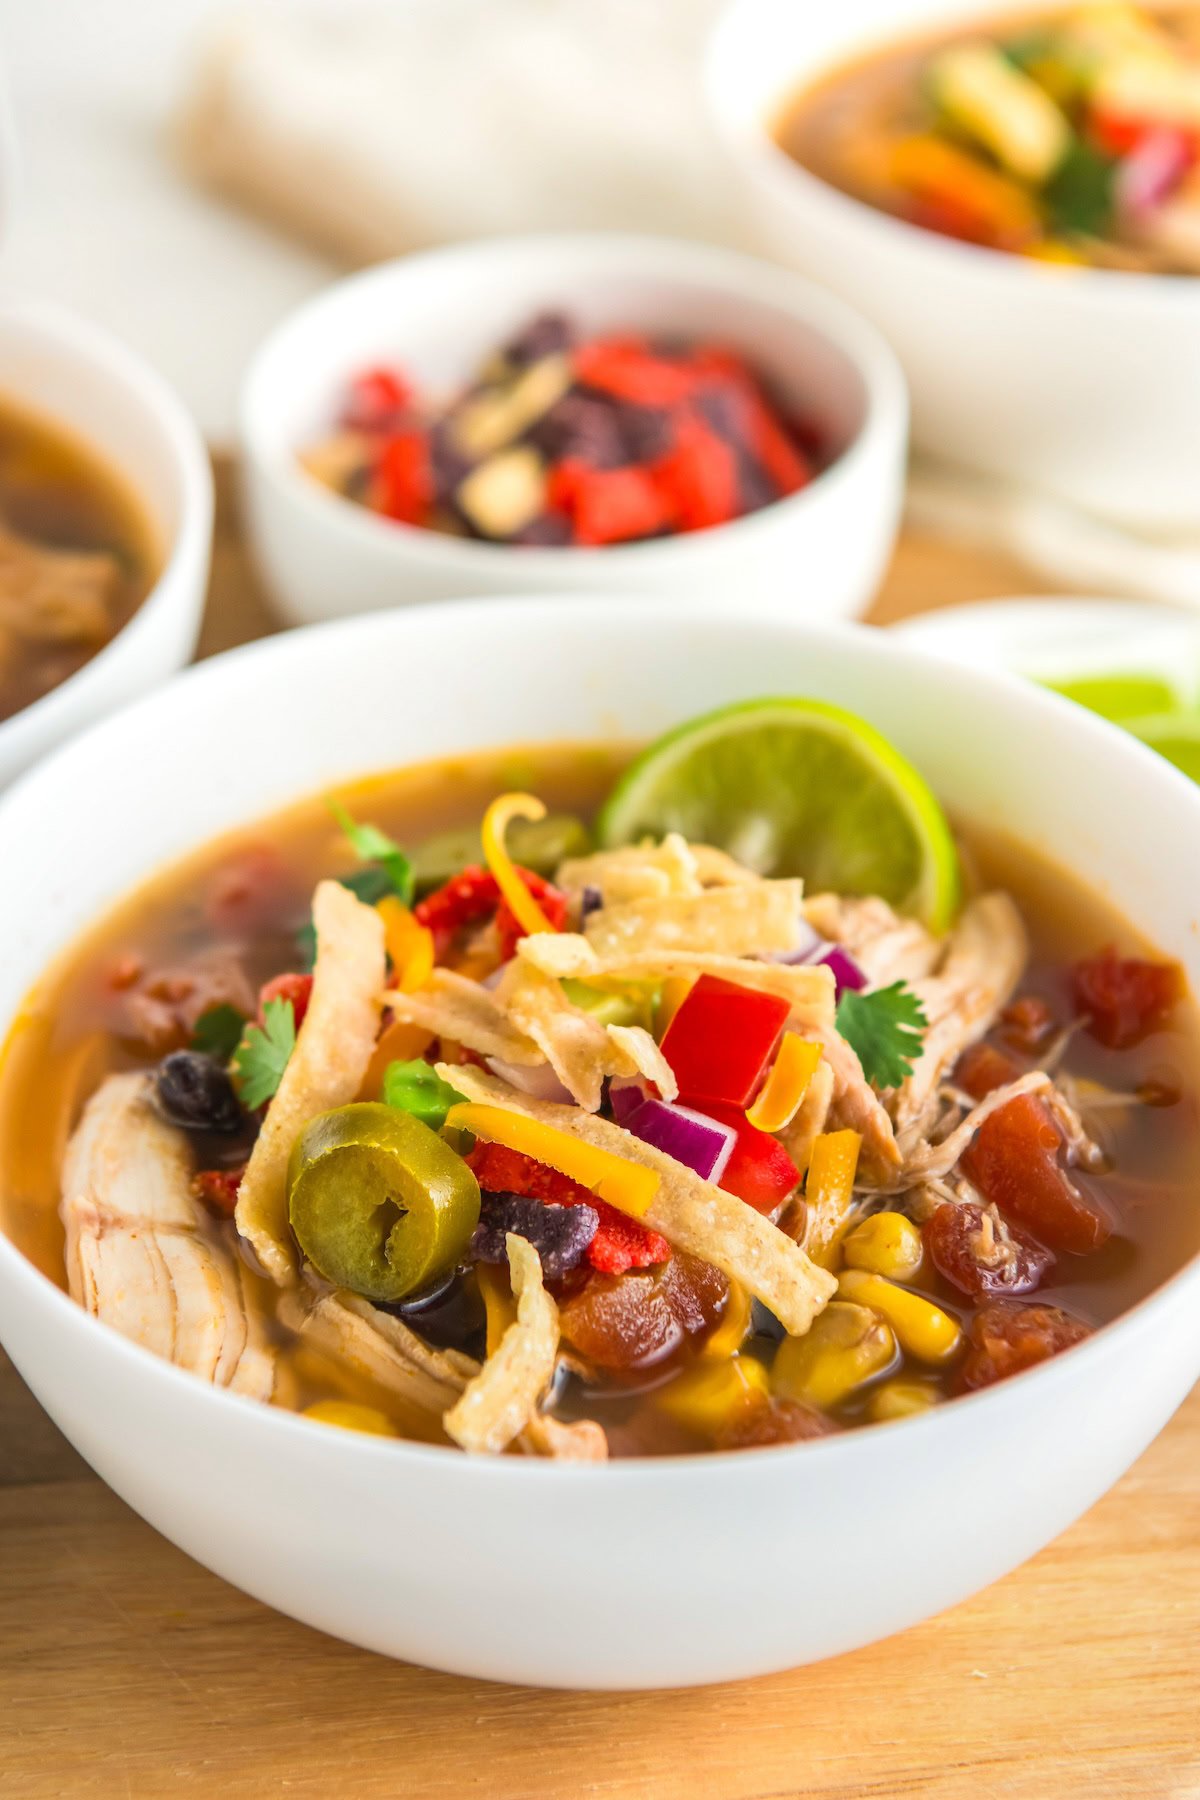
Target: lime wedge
796	787
1175	736
1121	697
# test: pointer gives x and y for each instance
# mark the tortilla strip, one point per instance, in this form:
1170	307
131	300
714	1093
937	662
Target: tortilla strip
453	1006
326	1069
646	1057
378	1346
690	1213
716	868
734	921
634	871
497	1403
572	1041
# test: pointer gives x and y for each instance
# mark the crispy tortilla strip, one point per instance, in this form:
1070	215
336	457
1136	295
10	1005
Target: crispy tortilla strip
573	1042
716	868
381	1348
646	1057
808	989
690	1213
326	1068
502	1399
635	872
733	921
579	1440
452	1006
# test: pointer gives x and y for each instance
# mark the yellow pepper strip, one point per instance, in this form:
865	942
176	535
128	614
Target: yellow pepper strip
921	1328
939	171
828	1192
708	1395
500	1309
786	1084
496	821
731	1332
399	1043
350	1416
885	1244
409	944
626	1185
900	1399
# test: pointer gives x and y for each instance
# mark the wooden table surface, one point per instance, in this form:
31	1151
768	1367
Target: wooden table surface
126	1670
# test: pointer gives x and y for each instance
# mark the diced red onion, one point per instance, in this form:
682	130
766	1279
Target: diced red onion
540	1083
808	942
590	901
1152	171
846	972
625	1095
700	1143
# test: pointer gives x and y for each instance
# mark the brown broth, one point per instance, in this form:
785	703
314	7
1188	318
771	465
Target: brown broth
70	1034
58	496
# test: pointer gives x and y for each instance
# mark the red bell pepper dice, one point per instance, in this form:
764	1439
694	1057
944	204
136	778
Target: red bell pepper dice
296	988
612	506
375	400
620	1242
404	478
721	1041
759	1170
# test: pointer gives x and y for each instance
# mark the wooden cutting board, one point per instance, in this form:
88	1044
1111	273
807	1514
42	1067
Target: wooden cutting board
127	1670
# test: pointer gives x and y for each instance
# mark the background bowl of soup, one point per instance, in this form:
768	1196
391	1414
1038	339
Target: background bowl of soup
638	1573
1073	380
105	524
818	553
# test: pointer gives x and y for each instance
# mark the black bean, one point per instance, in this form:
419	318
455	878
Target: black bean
544	335
583	427
763	1322
196	1093
559	1234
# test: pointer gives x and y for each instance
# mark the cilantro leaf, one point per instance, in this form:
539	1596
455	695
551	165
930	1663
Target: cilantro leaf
417	1088
375	846
218	1032
262	1055
884	1029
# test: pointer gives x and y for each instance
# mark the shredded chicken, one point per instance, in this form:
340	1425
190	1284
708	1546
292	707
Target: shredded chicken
885	946
55	596
930	1160
857	1107
983	963
141	1253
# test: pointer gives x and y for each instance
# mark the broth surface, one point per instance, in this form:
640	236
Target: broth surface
77	556
239	903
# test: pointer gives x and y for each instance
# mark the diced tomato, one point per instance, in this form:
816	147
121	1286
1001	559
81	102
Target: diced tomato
962	1248
1006	1337
245	887
403	478
1028	1024
1124	999
375	400
774	1421
982	1068
699	474
627	368
620	1242
472	895
759	1170
296	988
218	1189
1016	1162
609	506
720	1041
633	1320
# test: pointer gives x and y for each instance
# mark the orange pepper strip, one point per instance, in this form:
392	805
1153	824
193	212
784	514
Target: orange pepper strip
496	821
409	944
626	1185
828	1192
786	1084
399	1043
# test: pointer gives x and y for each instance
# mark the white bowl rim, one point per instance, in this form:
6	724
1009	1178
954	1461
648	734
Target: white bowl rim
395	1454
81	339
1094	287
885	395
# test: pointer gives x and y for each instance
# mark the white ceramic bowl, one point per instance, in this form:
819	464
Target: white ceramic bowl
817	555
643	1573
1081	383
59	366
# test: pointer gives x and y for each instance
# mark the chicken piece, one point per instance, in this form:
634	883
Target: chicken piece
140	1252
984	961
886	947
55	596
326	1069
856	1106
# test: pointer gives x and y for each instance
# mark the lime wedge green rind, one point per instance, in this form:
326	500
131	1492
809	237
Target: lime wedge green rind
796	787
1175	736
1120	698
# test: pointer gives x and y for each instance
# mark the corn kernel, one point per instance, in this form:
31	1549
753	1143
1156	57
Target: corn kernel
707	1396
885	1244
350	1416
900	1399
845	1346
922	1328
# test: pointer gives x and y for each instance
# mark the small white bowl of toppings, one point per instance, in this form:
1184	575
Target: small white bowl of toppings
573	414
1014	202
105	523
